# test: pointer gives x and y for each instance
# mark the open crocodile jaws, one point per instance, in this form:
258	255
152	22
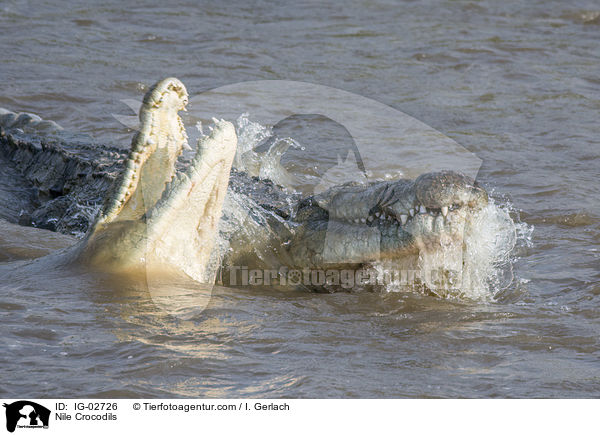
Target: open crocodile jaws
155	218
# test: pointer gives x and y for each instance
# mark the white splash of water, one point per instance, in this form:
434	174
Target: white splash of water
481	264
265	165
250	135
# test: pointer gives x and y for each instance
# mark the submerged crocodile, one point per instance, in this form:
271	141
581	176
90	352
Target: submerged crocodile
163	214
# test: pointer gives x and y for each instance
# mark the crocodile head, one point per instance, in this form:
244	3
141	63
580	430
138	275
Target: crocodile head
430	212
156	217
353	224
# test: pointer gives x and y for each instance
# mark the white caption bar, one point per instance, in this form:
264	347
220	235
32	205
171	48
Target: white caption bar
166	416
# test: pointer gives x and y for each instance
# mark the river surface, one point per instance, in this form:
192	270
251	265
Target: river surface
517	84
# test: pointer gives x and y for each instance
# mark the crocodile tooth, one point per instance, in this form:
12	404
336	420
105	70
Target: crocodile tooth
370	219
377	214
412	212
444	211
403	218
422	210
363	220
356	221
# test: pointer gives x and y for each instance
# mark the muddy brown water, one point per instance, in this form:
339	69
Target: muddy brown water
516	84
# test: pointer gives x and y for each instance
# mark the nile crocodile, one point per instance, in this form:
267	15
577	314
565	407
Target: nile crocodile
148	209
